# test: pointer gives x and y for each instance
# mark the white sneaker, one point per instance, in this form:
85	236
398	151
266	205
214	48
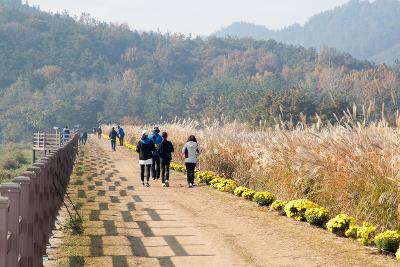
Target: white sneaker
164	185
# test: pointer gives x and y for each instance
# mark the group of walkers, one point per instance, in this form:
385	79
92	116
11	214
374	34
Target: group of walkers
66	135
116	134
155	154
83	136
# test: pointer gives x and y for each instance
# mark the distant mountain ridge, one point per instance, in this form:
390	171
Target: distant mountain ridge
366	30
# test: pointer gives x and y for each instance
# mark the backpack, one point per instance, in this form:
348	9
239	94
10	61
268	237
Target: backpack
156	152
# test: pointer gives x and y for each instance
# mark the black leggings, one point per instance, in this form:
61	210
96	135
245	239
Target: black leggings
190	172
121	141
142	167
155	167
165	170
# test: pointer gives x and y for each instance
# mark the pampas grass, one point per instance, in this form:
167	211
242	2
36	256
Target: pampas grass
348	167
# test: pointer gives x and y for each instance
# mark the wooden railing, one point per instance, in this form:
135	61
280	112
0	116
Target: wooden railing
47	141
29	207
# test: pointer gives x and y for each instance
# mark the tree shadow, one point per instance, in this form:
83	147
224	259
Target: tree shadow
76	261
119	261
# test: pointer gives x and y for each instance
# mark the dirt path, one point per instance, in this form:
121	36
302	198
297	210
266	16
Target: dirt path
128	225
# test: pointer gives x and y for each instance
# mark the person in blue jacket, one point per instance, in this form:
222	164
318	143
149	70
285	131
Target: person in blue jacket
113	137
121	135
155	166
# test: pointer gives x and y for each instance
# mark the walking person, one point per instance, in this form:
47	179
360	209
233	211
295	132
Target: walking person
99	132
165	150
84	137
155	166
66	134
191	151
81	138
113	137
145	148
121	135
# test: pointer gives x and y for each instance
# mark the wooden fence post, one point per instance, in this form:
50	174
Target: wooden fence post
41	226
4	207
25	211
34	174
13	191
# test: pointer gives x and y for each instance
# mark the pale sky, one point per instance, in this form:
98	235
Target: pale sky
198	17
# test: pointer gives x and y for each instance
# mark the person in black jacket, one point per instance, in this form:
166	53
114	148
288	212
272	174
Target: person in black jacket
99	132
84	137
165	151
145	148
113	137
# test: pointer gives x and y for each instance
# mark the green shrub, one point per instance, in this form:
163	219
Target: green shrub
178	167
239	191
19	157
206	177
352	231
340	224
9	163
264	198
297	208
75	225
248	194
388	241
216	181
317	216
227	185
366	234
279	206
5	175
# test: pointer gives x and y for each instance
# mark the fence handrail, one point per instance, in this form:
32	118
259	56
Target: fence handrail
46	141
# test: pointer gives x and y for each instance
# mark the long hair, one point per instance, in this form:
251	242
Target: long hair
192	138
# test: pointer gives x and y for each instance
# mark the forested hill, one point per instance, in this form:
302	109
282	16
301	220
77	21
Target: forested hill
57	69
367	30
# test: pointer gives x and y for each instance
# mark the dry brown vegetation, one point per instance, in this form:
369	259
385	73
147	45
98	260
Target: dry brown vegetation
348	167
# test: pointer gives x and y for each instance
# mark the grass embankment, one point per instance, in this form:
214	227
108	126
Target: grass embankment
14	159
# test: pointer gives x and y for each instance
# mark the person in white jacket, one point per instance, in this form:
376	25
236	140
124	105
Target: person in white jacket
191	151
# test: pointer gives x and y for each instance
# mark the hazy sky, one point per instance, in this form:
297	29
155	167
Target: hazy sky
199	17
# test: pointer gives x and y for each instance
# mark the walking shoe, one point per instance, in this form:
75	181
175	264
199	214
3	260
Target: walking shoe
143	184
164	185
167	183
147	185
190	185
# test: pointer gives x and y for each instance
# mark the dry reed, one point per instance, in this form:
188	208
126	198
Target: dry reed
351	168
